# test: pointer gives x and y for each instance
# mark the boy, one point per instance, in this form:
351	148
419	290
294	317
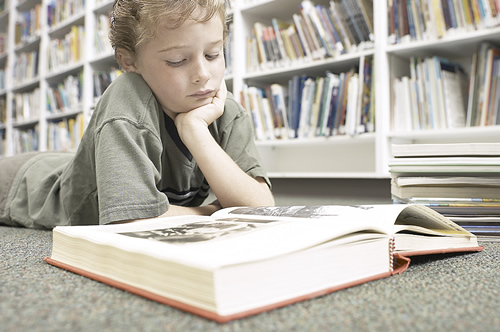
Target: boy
162	133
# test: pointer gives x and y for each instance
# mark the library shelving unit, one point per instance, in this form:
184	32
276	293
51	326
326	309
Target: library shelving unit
458	47
52	51
362	156
457	44
316	157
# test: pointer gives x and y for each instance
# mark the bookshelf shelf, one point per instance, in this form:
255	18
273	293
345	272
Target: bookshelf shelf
64	70
56	22
26	85
63	115
103	8
451	45
266	9
27	46
58	30
312	67
318	141
25	124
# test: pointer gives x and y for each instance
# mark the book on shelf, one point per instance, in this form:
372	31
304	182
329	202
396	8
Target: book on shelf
484	99
432	19
322	106
102	79
434	96
3	111
26	140
26	106
25	67
314	32
243	261
66	134
27	26
68	50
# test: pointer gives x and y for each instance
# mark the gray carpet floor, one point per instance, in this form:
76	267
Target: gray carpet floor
452	292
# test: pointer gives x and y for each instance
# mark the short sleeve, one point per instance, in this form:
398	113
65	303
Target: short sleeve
128	160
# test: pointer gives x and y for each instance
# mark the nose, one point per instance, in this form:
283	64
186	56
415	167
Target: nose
201	71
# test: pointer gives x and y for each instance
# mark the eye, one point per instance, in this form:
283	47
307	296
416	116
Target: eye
175	63
212	56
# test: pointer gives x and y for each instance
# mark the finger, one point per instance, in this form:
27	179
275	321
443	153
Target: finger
222	92
220	97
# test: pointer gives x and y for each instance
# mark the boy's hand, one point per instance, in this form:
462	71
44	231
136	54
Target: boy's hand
203	115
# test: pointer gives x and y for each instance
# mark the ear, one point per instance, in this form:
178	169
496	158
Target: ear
126	60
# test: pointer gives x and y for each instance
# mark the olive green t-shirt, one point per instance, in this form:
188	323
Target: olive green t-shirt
130	164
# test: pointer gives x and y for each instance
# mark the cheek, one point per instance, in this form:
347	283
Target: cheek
218	70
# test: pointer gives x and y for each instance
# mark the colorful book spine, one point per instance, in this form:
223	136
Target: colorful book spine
66	51
309	107
313	33
432	19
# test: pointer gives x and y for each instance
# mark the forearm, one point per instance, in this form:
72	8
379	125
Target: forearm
231	185
205	210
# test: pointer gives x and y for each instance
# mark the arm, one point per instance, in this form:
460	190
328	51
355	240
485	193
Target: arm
231	185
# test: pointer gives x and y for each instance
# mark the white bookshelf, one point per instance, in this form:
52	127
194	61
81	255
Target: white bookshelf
365	155
360	156
89	60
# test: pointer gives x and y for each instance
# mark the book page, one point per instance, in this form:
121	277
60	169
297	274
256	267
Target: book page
379	218
211	242
419	215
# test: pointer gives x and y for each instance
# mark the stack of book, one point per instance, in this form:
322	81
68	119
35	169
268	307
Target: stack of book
459	180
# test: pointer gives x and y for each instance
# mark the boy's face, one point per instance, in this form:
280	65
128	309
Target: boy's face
184	67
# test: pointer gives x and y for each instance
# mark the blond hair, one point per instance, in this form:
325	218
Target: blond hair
134	22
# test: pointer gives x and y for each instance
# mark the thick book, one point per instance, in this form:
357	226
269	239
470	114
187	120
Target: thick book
243	261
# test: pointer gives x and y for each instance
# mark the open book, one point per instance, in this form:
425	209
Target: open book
242	261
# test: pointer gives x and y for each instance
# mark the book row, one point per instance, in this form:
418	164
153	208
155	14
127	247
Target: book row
28	25
439	94
60	10
314	33
26	140
68	50
102	79
3	111
2	79
65	97
3	143
431	19
63	135
335	104
66	134
102	44
3	42
27	106
484	93
25	67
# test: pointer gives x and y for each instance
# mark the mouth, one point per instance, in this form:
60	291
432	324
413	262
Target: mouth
203	94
